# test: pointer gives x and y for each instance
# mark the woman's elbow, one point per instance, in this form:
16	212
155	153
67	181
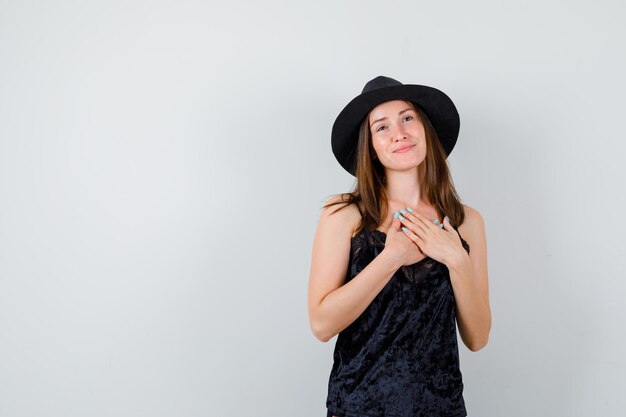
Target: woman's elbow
475	347
320	331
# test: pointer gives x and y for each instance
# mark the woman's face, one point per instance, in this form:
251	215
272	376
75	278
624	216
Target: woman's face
397	135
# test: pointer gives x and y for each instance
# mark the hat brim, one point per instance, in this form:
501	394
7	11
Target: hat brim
439	108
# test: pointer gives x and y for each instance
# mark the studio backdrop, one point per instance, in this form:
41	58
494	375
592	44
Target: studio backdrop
163	166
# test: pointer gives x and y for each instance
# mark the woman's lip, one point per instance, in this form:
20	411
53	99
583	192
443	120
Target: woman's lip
404	149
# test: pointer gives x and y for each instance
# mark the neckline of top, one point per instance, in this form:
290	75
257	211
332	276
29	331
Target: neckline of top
383	243
385	235
383	238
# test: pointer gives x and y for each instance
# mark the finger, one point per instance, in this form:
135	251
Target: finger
395	224
414	226
420	220
448	227
446	224
414	237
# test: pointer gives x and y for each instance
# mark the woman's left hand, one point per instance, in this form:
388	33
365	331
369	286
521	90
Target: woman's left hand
441	244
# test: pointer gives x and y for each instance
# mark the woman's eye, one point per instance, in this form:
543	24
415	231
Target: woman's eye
408	117
380	127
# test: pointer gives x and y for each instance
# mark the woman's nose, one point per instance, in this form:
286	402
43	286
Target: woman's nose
399	133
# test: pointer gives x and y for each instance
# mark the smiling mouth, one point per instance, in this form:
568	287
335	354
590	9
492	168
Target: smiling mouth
403	149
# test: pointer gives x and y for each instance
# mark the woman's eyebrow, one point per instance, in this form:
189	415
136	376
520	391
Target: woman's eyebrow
383	118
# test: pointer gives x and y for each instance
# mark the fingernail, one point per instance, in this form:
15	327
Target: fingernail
404	229
401	218
446	218
436	221
403	211
395	215
410	209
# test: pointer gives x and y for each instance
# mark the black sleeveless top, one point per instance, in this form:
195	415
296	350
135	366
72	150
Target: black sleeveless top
400	357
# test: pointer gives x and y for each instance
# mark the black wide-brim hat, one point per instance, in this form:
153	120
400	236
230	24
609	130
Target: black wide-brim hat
439	108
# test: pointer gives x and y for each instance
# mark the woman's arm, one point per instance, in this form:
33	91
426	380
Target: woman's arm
333	305
468	275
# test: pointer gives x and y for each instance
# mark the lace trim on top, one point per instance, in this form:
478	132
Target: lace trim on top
375	240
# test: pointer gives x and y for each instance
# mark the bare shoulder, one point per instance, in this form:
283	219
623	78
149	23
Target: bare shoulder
473	227
342	218
472	216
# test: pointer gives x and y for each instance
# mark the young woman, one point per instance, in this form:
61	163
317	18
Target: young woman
392	272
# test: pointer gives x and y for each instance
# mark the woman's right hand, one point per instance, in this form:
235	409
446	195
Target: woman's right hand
400	246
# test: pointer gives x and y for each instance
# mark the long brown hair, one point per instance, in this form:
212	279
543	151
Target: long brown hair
369	192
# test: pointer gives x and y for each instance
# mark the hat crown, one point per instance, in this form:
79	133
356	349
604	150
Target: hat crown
380	82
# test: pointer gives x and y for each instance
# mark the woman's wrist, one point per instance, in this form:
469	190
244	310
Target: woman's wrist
390	259
459	259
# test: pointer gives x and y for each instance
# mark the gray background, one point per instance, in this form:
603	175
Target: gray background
162	166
